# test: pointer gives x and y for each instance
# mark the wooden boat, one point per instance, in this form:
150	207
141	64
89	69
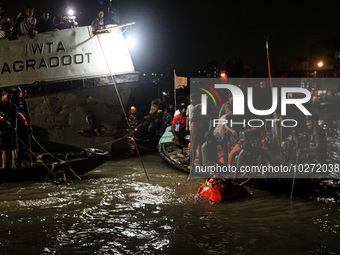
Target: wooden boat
146	144
170	152
76	164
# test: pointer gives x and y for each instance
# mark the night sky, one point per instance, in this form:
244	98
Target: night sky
186	35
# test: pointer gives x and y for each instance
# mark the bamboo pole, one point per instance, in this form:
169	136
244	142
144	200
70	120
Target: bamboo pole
109	28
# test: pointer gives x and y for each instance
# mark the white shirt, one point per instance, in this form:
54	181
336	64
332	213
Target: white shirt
27	25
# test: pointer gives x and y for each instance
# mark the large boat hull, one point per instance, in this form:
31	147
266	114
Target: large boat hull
78	84
59	119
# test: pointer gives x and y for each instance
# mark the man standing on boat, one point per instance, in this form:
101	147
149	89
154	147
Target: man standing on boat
317	150
24	124
8	112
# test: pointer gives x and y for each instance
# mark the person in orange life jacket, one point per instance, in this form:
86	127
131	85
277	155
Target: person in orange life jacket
178	127
24	124
8	118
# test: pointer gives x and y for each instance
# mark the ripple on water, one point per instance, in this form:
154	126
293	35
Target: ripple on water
124	214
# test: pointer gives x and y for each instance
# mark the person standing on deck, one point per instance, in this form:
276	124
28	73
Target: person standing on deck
44	24
189	112
8	118
98	23
25	24
23	124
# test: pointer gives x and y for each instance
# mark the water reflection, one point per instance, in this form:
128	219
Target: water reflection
114	210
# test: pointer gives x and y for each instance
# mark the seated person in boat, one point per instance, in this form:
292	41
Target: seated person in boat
8	124
209	150
178	127
142	131
98	23
317	149
25	24
251	154
155	128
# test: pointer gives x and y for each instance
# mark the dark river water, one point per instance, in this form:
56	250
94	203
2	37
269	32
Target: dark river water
115	210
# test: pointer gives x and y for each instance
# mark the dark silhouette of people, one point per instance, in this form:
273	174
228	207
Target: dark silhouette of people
8	120
23	125
44	23
61	21
5	23
317	149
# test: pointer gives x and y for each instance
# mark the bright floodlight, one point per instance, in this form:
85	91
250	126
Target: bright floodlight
70	12
131	42
320	64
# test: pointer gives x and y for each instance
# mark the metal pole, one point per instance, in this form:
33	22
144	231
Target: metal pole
109	12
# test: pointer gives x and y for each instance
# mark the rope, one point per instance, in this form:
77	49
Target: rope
122	106
244	182
118	139
36	156
60	160
292	190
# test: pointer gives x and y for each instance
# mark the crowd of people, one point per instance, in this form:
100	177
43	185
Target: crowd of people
26	24
15	127
237	145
